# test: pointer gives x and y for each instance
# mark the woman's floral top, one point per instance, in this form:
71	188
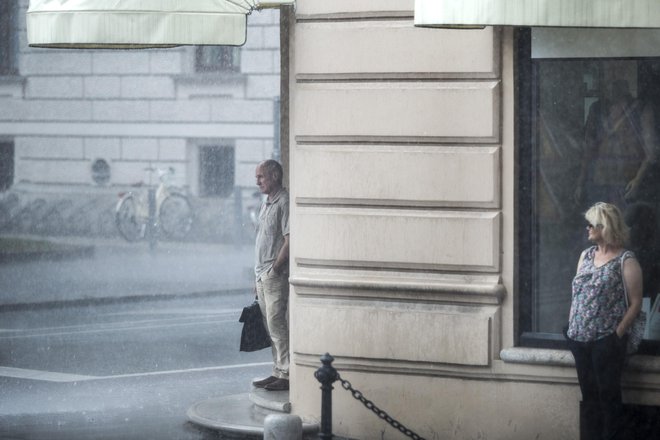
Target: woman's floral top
598	304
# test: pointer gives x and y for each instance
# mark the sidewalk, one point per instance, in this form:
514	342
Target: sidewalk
102	270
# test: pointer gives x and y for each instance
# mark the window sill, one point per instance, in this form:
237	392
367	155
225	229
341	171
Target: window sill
220	84
564	358
209	77
537	356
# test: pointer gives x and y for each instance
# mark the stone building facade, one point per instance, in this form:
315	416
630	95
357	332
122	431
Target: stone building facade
409	159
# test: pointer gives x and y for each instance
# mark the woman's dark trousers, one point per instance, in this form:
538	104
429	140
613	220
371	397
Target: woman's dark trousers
599	367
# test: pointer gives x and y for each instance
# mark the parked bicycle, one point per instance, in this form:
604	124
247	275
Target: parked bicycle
150	211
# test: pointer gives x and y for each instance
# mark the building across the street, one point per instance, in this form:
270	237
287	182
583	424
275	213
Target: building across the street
78	127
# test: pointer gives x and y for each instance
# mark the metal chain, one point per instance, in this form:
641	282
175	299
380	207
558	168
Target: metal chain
379	412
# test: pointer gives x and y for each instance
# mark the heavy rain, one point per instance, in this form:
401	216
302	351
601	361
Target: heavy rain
446	173
127	225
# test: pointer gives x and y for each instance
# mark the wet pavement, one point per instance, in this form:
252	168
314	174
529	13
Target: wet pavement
117	270
120	342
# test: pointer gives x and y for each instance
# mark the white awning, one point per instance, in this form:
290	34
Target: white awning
556	13
140	23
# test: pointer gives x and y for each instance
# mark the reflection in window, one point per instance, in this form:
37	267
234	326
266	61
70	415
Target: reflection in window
217	168
594	137
8	46
217	59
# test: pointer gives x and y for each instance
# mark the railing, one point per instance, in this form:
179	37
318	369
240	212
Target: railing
327	375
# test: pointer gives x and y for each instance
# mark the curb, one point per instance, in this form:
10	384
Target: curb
77	302
66	252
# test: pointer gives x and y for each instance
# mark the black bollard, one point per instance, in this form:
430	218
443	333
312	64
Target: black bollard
326	375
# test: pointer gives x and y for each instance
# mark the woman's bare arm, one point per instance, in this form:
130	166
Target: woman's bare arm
632	278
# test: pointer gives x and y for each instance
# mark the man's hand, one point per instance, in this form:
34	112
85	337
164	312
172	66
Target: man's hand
632	188
578	194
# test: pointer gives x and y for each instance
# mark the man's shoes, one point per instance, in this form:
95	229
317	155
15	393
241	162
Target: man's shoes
263	382
278	385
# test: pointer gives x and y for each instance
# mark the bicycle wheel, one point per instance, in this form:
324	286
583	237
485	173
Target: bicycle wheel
175	216
128	222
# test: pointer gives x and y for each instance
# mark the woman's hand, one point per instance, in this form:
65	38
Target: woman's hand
620	332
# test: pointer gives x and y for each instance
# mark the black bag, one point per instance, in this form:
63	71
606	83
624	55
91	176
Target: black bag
254	335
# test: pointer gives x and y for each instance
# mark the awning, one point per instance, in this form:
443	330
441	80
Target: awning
555	13
140	23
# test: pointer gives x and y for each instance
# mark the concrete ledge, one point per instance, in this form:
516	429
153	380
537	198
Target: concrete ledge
541	356
62	252
564	358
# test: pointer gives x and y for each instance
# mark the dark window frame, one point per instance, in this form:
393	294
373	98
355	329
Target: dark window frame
7	164
226	59
213	186
8	40
526	79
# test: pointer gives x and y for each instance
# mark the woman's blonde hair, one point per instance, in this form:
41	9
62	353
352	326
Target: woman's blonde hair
609	218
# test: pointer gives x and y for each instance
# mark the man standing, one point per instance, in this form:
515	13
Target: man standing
271	270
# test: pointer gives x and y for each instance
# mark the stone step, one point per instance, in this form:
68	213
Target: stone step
273	400
238	416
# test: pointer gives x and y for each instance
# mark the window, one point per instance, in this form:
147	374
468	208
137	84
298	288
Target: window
217	59
8	44
589	129
100	172
216	164
6	165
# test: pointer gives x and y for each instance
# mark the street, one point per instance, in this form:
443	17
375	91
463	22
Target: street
118	345
117	270
121	371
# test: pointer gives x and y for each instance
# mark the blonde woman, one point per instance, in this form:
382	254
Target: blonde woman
599	319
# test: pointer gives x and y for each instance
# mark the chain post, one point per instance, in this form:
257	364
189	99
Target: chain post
327	375
357	395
